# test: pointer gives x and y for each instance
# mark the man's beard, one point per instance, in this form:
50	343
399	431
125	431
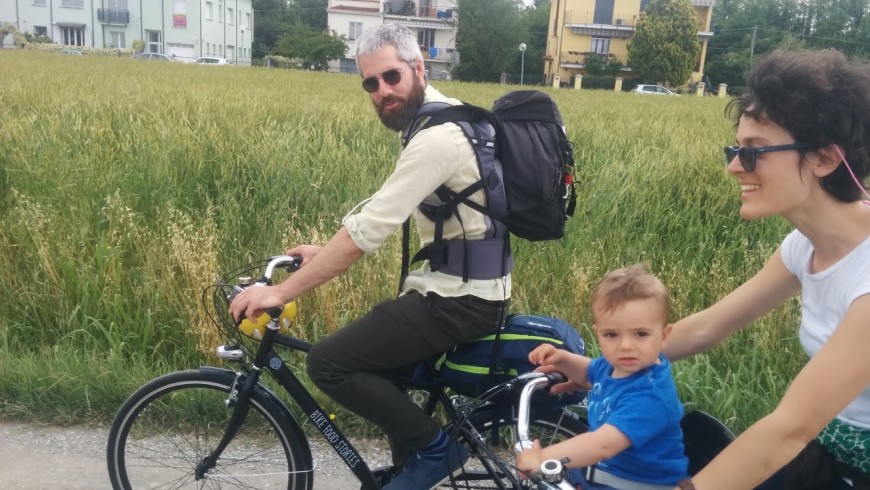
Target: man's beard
401	116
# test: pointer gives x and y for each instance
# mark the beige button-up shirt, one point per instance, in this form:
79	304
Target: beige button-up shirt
437	155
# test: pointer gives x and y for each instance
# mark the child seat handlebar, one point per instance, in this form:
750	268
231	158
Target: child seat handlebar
551	469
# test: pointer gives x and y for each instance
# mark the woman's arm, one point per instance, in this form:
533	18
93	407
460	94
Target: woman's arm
766	290
834	377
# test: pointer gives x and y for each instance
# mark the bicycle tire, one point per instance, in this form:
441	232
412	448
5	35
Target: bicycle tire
169	425
547	426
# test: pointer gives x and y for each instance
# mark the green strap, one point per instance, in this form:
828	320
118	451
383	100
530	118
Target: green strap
519	336
468	368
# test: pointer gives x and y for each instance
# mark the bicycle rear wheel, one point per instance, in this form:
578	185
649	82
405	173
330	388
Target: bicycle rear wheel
166	428
497	426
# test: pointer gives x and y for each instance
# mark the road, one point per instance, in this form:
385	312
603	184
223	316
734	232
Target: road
36	457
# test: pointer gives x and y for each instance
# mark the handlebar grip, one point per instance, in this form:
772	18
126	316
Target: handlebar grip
290	263
274	311
556	377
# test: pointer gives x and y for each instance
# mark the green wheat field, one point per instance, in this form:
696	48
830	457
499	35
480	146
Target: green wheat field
126	185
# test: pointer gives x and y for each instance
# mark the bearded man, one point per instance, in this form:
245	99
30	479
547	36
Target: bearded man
362	366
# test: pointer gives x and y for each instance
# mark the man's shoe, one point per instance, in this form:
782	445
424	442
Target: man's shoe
384	474
424	472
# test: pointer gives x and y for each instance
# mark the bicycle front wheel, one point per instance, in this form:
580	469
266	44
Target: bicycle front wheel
166	428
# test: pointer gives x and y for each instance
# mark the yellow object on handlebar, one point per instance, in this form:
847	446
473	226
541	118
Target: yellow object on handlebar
256	330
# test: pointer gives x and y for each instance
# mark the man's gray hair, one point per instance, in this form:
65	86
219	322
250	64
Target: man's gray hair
376	38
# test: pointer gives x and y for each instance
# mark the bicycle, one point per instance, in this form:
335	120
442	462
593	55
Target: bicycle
218	428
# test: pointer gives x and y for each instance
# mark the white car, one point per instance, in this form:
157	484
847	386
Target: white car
211	60
154	57
653	89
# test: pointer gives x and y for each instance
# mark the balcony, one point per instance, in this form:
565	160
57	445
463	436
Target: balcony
113	16
408	13
585	24
577	59
446	55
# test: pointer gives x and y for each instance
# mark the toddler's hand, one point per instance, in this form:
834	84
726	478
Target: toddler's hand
529	461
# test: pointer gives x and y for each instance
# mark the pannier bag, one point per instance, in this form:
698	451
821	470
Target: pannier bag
473	367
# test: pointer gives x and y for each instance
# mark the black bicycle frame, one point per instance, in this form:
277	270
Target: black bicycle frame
266	358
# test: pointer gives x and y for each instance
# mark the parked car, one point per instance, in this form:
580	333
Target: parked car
70	52
211	60
653	89
153	57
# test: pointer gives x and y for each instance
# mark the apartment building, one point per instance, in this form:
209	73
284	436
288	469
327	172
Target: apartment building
434	21
604	27
186	29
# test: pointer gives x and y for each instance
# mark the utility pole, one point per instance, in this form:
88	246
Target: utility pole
752	44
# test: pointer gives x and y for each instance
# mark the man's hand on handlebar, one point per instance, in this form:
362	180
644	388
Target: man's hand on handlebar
307	252
251	302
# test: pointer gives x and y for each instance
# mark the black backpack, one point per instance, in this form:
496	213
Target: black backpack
526	166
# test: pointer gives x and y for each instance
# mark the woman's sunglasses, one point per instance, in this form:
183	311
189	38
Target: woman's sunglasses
392	77
749	155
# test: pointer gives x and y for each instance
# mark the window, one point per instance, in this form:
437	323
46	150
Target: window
426	37
603	12
118	39
40	31
155	41
248	20
600	45
209	10
72	36
354	30
39	2
73	3
230	17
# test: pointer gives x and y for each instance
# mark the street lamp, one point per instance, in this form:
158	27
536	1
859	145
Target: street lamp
242	47
522	61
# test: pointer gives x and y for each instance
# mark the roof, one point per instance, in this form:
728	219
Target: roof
349	8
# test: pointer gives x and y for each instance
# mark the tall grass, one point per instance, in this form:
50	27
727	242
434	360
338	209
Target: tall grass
124	186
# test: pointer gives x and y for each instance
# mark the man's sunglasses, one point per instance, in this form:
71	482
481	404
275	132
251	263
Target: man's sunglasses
392	77
749	155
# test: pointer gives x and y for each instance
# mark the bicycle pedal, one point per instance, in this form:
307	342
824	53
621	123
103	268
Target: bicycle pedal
385	474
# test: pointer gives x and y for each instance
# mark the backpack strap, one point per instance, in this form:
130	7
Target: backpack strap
486	258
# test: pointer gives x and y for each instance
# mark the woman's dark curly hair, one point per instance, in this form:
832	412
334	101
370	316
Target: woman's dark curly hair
821	99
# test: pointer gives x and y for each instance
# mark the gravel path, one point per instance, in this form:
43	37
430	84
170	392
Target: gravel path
35	457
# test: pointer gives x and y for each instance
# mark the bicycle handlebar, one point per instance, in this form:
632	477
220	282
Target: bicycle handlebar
290	263
551	469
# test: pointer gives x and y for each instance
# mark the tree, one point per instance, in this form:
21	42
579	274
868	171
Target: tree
272	19
665	42
487	38
533	19
312	13
313	48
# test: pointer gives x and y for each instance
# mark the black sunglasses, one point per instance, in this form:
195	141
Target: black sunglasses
392	77
749	155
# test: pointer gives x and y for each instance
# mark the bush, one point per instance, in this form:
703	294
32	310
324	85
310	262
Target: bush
86	50
276	61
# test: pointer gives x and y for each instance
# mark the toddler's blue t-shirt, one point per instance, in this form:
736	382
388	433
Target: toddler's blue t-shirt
646	409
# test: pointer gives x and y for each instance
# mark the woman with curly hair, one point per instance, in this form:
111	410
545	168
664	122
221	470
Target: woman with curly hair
801	152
